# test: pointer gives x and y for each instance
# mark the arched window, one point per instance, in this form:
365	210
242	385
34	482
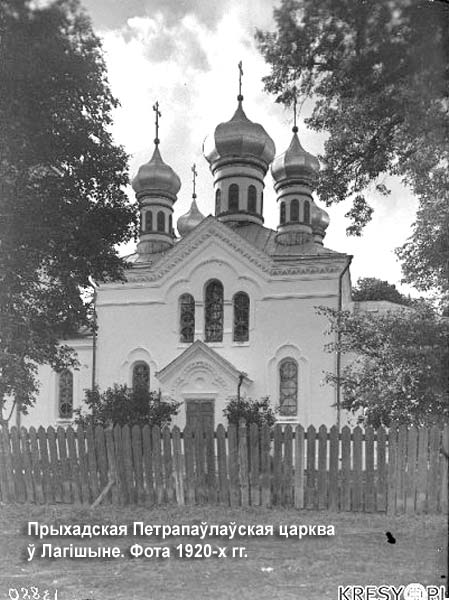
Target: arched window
288	387
241	317
160	221
141	376
233	198
282	213
170	224
148	221
307	212
217	202
294	211
252	199
65	395
186	318
214	311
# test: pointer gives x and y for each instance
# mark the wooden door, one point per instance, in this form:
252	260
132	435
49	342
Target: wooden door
200	413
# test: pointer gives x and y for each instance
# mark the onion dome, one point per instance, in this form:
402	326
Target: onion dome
295	164
156	176
190	220
239	138
320	222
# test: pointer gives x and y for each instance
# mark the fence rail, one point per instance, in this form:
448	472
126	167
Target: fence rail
402	470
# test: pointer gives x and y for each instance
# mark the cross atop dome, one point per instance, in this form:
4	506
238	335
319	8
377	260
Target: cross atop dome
240	66
194	176
158	114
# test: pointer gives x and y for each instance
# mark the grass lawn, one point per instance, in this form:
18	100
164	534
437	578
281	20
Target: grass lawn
275	567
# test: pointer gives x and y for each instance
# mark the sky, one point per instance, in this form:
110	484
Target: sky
184	54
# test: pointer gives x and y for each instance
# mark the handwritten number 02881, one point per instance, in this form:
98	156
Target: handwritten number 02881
31	593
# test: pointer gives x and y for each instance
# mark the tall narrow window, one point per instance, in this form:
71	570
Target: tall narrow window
282	213
187	319
307	212
241	317
233	198
252	199
160	221
217	202
261	202
141	376
148	220
214	311
170	224
65	395
288	387
294	211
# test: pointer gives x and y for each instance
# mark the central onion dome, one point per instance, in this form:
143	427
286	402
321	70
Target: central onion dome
190	220
156	176
296	164
239	138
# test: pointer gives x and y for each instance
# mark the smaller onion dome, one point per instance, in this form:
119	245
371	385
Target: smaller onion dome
295	163
239	138
320	220
155	175
190	220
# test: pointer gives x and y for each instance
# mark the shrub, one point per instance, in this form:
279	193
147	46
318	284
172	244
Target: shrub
120	405
252	411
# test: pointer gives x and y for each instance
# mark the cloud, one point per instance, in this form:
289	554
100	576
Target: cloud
113	14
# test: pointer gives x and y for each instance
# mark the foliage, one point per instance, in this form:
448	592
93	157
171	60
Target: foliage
120	405
371	288
252	411
396	364
62	204
378	76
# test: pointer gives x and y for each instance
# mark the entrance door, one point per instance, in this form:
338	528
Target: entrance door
200	413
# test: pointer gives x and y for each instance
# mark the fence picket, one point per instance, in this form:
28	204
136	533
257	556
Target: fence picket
211	481
322	468
157	464
410	483
36	467
345	502
357	484
17	464
28	474
277	466
148	464
136	434
234	481
102	461
421	479
73	463
55	465
444	466
288	467
311	471
189	453
45	466
168	464
120	477
433	483
82	460
333	468
177	466
223	483
381	480
401	466
112	465
254	464
368	495
65	466
299	467
91	462
392	469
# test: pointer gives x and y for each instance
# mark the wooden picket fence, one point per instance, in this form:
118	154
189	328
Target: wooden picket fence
402	470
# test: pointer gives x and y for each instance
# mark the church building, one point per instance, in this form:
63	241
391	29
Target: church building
227	304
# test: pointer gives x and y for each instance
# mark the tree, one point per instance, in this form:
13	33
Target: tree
252	411
396	367
379	79
371	288
120	405
62	204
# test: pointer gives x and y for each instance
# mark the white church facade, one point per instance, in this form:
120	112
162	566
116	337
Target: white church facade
227	303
